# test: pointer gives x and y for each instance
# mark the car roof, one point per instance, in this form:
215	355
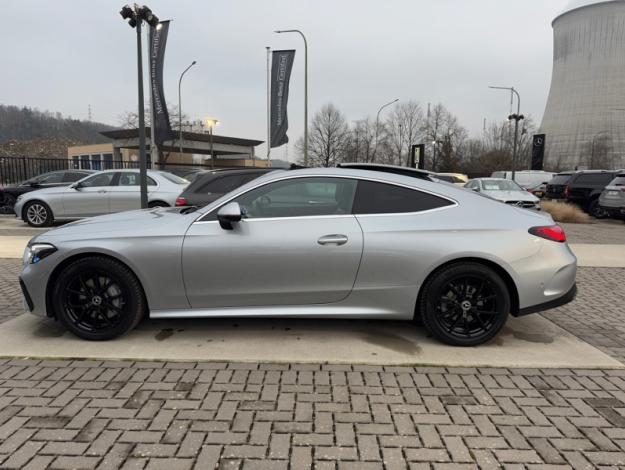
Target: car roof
393	169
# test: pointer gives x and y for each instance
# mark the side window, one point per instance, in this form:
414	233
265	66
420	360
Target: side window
101	179
72	176
132	179
299	197
381	198
50	178
221	185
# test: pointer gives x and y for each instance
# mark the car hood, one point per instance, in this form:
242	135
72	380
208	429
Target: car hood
53	190
143	222
511	195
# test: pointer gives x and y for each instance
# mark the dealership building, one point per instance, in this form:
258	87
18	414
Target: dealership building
197	150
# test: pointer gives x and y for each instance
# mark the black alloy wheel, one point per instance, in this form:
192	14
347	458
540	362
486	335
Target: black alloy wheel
465	304
97	298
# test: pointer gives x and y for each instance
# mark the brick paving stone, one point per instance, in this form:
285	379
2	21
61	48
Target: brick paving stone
118	414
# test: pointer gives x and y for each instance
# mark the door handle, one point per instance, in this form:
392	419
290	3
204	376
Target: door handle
333	240
102	190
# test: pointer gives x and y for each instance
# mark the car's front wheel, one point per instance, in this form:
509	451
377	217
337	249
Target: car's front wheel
98	298
595	210
464	304
37	214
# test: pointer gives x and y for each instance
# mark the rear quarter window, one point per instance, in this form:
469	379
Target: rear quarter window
593	179
618	181
382	198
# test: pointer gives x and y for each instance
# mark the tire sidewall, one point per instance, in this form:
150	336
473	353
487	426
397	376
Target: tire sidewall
439	279
133	310
46	222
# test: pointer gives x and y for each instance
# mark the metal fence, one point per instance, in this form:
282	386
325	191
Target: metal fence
17	169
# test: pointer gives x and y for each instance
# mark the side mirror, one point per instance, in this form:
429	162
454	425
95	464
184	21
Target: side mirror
477	190
77	185
34	184
229	214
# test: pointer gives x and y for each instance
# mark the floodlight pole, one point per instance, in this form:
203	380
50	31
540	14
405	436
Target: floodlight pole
180	104
517	117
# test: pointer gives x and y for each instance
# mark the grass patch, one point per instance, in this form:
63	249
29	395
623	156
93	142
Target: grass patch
565	212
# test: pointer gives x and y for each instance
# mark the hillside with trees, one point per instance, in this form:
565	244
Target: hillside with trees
30	132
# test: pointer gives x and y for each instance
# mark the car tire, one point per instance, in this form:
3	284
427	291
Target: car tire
37	214
98	299
157	204
9	201
464	304
595	210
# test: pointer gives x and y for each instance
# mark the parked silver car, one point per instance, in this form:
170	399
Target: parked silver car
102	193
612	198
504	190
314	243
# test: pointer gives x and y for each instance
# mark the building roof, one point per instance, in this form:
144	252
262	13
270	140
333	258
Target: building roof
188	136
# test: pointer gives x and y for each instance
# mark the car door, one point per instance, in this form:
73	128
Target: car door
90	196
126	195
298	244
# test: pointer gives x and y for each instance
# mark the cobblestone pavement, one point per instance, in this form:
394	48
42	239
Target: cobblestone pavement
597	315
88	414
58	414
606	232
10	294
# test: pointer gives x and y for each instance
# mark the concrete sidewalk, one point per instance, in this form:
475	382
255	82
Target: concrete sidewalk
531	341
588	255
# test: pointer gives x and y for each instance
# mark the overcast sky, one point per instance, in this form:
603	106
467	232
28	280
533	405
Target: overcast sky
63	55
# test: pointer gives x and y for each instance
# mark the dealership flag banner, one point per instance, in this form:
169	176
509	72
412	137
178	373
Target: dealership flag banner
161	126
281	65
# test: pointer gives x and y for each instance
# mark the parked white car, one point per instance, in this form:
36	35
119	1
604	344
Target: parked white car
102	193
525	178
506	191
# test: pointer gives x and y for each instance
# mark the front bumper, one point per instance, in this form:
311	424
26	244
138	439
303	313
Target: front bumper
565	299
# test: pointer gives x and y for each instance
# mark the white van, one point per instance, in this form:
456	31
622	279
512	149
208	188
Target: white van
525	178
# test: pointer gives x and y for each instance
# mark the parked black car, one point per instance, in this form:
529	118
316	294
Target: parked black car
582	188
9	194
211	185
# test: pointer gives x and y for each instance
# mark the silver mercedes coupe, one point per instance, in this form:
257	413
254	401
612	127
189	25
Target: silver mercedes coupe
312	243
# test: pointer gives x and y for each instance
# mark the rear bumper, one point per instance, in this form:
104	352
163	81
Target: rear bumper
565	299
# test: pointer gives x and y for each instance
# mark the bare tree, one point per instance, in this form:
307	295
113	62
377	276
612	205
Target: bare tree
445	137
404	127
328	139
130	119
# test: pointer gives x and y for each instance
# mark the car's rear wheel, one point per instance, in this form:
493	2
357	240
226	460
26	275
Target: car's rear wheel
464	304
98	298
9	201
595	210
37	214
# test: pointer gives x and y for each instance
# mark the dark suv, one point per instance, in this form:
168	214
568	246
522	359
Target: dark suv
582	188
211	185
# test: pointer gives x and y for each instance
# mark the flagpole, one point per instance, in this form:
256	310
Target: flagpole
268	105
153	148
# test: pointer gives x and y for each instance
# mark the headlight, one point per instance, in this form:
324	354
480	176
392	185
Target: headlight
36	252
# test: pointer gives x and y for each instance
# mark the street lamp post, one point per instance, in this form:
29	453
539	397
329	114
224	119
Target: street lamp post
211	123
377	126
305	88
180	103
135	17
517	117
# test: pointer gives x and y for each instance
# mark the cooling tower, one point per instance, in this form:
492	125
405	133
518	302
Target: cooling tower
584	119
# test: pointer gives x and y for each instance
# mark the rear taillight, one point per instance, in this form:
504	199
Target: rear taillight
555	233
182	201
567	191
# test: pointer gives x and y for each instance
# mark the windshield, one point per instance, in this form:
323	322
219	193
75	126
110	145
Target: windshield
173	178
500	185
561	179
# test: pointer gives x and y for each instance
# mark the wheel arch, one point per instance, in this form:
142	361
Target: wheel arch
502	272
158	203
87	254
30	201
